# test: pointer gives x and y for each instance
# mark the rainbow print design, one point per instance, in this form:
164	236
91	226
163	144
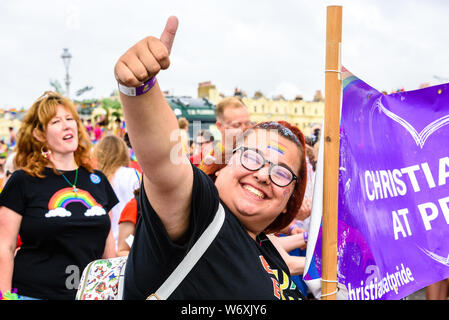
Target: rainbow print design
132	155
348	80
276	146
62	198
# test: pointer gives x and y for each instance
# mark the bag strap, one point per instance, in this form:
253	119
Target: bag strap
192	257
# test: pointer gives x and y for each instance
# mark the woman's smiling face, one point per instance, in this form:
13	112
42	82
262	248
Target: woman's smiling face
251	195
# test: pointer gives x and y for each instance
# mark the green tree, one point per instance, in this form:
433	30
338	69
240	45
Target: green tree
114	107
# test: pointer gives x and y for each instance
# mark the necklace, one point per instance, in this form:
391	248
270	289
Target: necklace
74	183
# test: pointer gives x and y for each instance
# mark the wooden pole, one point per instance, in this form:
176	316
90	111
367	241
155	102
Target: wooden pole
331	151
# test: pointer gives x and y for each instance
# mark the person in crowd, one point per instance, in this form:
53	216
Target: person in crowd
316	136
3	146
261	189
90	130
302	220
3	158
57	200
133	163
131	213
294	237
9	167
119	129
112	158
232	119
184	133
191	148
203	147
98	131
311	157
437	290
12	137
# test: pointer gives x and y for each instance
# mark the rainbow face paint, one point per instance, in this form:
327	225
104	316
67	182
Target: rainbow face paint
280	148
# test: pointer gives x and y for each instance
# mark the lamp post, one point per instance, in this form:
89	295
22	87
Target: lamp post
66	57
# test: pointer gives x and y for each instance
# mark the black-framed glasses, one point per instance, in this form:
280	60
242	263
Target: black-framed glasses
280	174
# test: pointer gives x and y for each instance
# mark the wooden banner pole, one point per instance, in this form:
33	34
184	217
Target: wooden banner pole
331	151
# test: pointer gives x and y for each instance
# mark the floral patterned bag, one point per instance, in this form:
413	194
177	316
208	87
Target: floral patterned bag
102	280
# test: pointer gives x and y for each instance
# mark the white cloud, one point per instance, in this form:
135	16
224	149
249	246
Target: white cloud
95	211
58	212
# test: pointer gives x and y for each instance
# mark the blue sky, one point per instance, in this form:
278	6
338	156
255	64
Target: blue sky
277	47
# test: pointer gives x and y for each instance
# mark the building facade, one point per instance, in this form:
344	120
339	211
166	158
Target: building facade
304	114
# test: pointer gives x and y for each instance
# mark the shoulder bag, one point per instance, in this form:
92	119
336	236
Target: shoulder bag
103	279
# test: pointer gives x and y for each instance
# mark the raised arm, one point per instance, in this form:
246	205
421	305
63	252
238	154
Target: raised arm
168	176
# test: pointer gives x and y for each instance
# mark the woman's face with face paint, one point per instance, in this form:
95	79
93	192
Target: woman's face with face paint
251	195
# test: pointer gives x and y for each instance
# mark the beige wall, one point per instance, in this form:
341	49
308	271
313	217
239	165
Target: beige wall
303	114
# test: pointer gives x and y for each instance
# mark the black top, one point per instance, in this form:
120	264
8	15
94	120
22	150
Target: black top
61	231
233	267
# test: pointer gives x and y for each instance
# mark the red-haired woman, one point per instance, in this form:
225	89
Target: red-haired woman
57	201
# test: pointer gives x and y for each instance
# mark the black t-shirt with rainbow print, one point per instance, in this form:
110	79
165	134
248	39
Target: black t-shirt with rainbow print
61	230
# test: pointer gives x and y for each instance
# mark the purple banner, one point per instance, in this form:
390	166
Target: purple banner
393	190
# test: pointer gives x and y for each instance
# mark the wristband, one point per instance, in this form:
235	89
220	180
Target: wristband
137	91
305	236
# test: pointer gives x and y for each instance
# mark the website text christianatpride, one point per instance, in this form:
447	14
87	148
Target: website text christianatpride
375	288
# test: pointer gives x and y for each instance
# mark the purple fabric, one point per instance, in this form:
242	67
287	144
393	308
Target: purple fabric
393	191
146	86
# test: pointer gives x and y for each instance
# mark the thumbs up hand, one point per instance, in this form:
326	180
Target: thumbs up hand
147	57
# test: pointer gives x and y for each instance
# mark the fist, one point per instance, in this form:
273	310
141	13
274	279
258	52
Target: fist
147	57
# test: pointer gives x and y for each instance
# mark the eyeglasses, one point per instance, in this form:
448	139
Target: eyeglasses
280	174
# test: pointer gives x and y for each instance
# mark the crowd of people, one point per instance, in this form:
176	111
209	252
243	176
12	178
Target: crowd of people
71	199
73	193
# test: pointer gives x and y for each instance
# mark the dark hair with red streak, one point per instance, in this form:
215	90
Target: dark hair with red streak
295	135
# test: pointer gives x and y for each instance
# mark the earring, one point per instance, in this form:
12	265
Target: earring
45	154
